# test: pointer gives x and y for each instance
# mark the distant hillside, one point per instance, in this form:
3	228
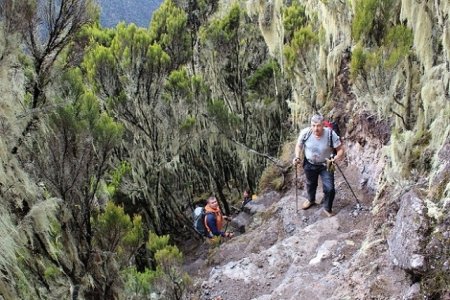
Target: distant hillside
130	11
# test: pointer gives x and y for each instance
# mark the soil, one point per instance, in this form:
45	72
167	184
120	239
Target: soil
290	253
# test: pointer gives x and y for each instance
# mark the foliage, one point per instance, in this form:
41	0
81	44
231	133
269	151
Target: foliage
47	29
365	11
168	28
111	227
358	62
247	89
178	85
222	117
271	179
117	176
263	77
398	42
72	157
364	61
89	134
139	284
134	77
436	282
120	236
117	233
173	280
156	243
225	30
371	20
172	120
51	272
300	59
167	256
168	279
300	36
294	17
94	34
304	38
408	152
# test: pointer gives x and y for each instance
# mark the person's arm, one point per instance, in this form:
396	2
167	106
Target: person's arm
297	151
339	156
339	153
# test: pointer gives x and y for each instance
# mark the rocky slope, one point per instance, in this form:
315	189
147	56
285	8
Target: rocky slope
290	254
396	132
397	143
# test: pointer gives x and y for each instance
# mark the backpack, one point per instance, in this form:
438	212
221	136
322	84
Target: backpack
199	215
333	126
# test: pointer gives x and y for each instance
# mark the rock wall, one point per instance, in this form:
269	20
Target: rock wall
396	121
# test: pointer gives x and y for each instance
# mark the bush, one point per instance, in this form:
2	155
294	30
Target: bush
359	58
436	282
371	19
294	18
270	179
398	42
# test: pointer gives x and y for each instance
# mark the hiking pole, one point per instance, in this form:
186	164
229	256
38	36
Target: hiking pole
358	205
296	188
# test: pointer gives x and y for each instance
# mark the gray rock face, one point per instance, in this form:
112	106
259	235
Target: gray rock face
407	236
241	221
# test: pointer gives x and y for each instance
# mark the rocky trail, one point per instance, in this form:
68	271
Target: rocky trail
285	254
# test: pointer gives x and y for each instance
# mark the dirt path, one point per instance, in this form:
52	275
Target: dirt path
284	254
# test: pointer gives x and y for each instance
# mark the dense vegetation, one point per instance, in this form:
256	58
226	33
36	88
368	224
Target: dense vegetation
122	130
129	129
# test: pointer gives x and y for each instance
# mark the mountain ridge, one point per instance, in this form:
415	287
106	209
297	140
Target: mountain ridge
139	11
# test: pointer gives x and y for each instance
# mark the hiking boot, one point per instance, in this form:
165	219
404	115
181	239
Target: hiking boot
307	204
328	213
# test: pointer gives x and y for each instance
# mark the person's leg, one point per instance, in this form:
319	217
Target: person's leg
328	189
312	178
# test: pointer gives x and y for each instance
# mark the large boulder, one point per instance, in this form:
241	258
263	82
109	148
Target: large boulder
408	236
241	221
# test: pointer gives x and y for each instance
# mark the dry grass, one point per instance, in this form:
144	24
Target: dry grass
273	177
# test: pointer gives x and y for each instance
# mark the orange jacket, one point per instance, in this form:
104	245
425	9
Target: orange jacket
219	220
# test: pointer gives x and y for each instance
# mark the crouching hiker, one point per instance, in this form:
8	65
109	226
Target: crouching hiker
214	219
246	200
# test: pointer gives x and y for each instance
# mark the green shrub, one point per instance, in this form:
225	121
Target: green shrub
51	272
359	58
371	19
398	42
365	11
116	177
263	75
304	38
139	283
156	243
294	17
